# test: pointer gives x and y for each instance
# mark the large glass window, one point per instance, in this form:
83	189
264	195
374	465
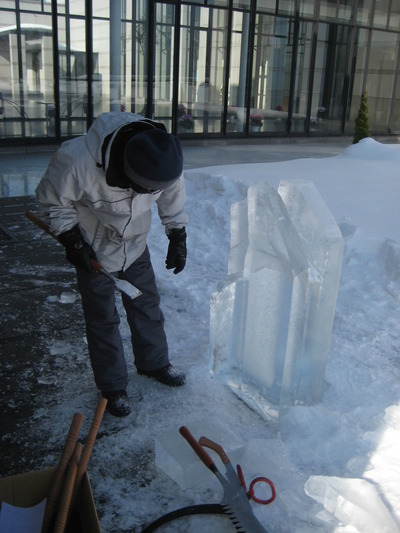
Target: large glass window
272	62
394	16
188	67
207	68
395	122
357	78
38	74
26	67
164	63
202	72
330	78
302	77
380	78
72	75
364	10
106	65
236	112
381	13
328	10
12	110
140	54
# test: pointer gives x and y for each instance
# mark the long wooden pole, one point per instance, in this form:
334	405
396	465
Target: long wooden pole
55	487
94	428
66	495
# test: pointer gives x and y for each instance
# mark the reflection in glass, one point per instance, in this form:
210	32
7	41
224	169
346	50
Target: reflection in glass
72	74
236	112
27	98
202	74
300	72
139	60
358	76
395	123
330	75
381	69
271	75
164	63
381	13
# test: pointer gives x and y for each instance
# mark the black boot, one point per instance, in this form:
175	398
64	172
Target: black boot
118	403
168	375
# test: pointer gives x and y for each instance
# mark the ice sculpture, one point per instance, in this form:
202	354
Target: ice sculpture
270	324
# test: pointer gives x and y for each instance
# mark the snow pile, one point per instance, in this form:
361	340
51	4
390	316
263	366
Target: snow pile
335	465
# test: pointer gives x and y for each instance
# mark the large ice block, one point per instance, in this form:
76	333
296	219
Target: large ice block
323	245
271	323
273	242
239	238
227	321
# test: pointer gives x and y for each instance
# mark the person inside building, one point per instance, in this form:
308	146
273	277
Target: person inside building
96	195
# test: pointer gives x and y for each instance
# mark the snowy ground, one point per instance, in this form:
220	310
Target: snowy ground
336	465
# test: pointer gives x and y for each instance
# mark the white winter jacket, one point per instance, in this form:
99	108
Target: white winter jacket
114	221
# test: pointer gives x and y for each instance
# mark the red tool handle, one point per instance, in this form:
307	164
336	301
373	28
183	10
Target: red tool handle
200	451
250	493
208	443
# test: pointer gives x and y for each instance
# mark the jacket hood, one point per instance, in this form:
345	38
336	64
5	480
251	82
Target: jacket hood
102	127
106	140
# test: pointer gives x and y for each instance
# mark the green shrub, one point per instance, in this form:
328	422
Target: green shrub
362	123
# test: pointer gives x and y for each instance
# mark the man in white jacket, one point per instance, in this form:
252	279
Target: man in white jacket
96	196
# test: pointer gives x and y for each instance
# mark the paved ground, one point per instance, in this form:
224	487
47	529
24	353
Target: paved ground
32	267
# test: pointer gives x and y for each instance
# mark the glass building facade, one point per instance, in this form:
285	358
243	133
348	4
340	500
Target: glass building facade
206	68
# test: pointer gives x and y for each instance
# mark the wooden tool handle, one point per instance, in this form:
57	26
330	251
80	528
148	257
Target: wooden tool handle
66	495
55	487
41	224
200	451
96	265
204	441
97	417
91	438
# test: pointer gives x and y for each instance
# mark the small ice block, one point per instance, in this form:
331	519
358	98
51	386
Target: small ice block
175	457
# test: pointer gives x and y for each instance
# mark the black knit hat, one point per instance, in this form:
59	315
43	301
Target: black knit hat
153	159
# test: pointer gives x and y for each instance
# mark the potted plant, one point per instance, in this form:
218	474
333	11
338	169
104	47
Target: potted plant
231	119
185	120
256	122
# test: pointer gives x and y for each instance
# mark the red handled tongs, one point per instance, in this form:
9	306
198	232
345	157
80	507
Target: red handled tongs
235	501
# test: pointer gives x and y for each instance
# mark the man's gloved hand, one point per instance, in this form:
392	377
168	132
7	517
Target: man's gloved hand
78	251
176	256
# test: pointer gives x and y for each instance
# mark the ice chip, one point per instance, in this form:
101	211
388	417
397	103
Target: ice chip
175	457
68	297
354	502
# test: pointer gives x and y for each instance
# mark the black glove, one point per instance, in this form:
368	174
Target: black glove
176	256
78	251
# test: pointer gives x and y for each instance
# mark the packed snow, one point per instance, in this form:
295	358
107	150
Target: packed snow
335	465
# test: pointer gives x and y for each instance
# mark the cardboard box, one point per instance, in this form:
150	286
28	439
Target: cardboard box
26	490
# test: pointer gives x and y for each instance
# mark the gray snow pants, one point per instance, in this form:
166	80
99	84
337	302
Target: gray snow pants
144	316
